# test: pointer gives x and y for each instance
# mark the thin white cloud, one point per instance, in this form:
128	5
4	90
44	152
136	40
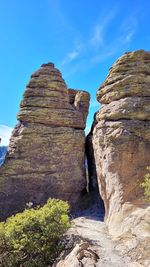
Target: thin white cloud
5	133
100	45
120	42
72	55
129	36
97	39
129	27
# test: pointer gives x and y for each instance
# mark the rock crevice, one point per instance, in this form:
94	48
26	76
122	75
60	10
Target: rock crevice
121	147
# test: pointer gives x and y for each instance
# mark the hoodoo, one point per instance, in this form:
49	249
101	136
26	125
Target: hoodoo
121	143
46	151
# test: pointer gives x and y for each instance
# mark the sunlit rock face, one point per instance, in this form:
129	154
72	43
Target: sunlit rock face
46	151
121	136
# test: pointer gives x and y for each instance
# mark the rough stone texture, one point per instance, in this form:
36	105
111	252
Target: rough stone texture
81	255
129	77
46	150
121	139
90	245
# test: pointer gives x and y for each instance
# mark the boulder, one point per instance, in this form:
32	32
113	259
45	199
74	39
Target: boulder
47	148
121	140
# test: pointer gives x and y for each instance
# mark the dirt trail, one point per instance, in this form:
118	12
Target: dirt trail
89	244
95	232
92	246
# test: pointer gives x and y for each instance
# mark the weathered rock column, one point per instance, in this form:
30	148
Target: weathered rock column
47	147
121	137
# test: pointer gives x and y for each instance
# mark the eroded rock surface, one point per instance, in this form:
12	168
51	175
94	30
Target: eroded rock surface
90	245
46	150
121	140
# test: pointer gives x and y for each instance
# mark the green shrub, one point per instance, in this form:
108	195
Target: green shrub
146	184
32	238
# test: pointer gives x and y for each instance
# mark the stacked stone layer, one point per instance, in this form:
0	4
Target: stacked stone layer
46	150
121	137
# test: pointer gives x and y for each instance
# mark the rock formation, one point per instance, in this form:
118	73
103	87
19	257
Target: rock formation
46	151
121	141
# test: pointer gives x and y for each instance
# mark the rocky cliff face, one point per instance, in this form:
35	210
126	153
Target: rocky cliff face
46	150
121	139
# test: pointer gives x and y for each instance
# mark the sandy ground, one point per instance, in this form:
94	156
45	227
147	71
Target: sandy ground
90	245
108	253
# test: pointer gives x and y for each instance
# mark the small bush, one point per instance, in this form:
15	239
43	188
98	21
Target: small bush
146	184
31	238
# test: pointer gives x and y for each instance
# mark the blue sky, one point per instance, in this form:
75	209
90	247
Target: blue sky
83	38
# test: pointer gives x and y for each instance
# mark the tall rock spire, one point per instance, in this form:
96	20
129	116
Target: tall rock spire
46	150
121	140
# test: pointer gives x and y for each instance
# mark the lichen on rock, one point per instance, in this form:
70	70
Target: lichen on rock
46	151
121	141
